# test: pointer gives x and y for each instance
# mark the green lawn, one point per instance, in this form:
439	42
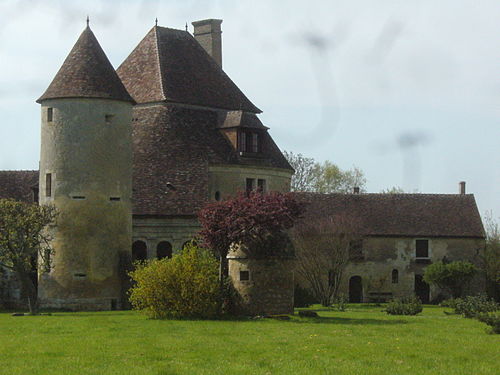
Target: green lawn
362	340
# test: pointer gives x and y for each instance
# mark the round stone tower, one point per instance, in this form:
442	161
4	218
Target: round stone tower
265	284
86	172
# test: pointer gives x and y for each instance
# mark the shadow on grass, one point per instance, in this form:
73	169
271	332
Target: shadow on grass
352	321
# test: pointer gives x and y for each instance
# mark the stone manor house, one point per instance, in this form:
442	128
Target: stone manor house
129	156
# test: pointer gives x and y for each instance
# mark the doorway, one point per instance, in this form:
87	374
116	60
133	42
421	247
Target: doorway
355	289
422	289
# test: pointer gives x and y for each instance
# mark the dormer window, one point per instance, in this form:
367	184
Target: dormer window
249	141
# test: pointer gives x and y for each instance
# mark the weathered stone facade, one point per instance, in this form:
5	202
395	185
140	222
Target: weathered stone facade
264	286
389	265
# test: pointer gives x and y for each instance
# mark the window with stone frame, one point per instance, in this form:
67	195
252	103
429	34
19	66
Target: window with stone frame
249	142
395	276
244	275
356	250
249	185
422	248
261	185
50	114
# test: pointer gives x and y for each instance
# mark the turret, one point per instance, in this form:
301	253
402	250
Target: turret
85	171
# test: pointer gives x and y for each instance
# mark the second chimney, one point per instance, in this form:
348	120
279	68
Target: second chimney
461	187
208	33
355	190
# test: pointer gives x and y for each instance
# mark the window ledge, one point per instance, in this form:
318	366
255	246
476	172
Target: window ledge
423	260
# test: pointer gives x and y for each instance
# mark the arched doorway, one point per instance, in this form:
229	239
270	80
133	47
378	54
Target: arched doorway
355	289
422	289
164	250
139	251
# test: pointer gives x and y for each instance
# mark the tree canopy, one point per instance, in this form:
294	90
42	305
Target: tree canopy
326	177
23	239
256	220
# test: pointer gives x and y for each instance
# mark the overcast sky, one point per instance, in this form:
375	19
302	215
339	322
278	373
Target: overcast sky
408	91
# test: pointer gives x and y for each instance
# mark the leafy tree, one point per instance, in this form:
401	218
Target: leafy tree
256	220
492	256
23	238
303	178
326	177
322	247
453	277
393	190
185	286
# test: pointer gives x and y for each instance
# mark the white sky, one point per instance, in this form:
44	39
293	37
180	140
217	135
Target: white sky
408	91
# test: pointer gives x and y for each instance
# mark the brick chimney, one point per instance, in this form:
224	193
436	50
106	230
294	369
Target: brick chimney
208	33
355	190
461	187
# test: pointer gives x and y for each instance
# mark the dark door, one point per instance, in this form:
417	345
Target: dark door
422	289
355	289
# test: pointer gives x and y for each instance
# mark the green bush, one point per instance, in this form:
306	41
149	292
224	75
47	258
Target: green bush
404	306
471	306
186	286
452	277
450	302
341	302
492	319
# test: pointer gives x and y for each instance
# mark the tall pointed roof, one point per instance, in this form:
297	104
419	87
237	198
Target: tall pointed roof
170	65
86	73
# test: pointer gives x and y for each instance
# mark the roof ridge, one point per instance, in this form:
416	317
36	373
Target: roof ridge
160	73
18	170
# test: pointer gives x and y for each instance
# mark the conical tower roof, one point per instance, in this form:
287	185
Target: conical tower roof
86	73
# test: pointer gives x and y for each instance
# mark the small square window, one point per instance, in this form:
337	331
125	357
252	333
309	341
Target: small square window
422	248
50	114
244	275
108	118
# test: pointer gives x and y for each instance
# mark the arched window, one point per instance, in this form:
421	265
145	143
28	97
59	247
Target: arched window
395	276
139	251
164	250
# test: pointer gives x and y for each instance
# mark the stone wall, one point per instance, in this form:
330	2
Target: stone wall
264	286
153	230
382	255
229	179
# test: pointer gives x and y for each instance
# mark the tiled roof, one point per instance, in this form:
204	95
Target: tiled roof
18	185
424	215
86	73
173	147
235	119
170	65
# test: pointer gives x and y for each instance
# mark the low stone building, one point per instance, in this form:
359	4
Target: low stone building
400	235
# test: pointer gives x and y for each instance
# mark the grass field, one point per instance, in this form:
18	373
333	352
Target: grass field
362	340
